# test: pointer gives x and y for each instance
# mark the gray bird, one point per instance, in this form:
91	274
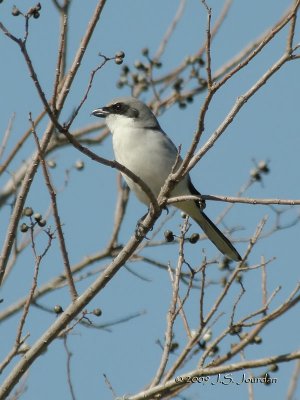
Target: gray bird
142	146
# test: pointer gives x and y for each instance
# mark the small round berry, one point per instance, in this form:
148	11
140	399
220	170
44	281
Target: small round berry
123	79
51	163
174	346
257	339
207	336
202	344
79	165
58	309
15	11
255	175
214	350
36	15
263	167
193	332
273	367
194	238
97	312
266	379
177	85
125	69
225	263
145	51
157	64
37	216
134	78
24	228
138	64
169	236
28	211
42	222
118	60
235	329
120	54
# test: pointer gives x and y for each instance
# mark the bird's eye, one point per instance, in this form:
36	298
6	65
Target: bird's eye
117	107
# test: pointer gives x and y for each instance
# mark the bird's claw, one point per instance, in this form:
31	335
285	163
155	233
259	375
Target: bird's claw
202	203
140	229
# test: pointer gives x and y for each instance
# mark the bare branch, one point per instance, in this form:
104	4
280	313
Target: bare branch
170	30
208	43
61	238
231	199
69	356
183	380
294	381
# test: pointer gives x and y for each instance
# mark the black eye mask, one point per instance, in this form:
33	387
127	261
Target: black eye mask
122	109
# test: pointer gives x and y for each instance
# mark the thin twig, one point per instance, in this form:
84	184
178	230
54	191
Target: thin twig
19	144
294	382
264	282
60	59
85	96
290	39
208	44
123	196
202	287
6	135
172	313
69	356
170	30
13	352
56	216
242	292
38	260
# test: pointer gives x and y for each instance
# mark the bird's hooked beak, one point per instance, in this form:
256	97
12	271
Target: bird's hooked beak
101	112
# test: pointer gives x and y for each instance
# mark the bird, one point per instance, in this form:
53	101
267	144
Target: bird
140	144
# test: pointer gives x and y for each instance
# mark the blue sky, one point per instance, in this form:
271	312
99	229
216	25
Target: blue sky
266	128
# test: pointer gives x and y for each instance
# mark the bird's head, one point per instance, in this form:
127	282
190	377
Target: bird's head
127	112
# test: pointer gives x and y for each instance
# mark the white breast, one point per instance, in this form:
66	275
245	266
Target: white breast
147	153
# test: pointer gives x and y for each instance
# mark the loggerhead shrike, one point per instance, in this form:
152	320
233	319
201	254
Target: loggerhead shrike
142	146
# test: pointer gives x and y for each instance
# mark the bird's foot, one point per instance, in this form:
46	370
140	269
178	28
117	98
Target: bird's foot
140	228
166	209
202	203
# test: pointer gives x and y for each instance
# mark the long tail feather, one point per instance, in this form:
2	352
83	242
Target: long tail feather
216	236
210	229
